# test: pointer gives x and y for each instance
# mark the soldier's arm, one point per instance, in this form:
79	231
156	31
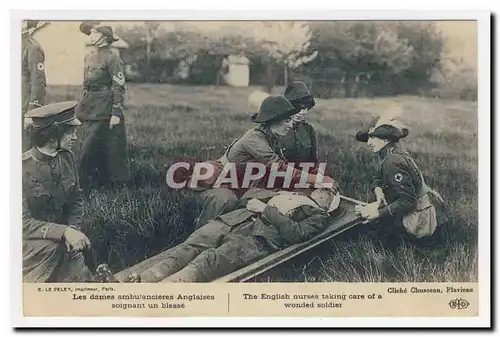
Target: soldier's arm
314	142
296	231
376	181
38	229
401	183
258	147
36	61
75	209
73	206
116	71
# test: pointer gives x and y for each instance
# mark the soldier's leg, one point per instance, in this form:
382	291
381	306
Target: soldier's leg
390	234
174	259
40	259
215	202
72	268
236	252
102	152
117	159
423	242
86	151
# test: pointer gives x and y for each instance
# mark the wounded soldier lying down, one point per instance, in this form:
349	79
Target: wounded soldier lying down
267	221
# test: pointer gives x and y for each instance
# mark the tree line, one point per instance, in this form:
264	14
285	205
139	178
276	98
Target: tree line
337	59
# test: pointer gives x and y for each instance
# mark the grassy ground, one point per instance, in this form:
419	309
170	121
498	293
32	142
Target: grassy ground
166	123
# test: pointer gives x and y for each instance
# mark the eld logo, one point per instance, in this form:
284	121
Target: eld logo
459	304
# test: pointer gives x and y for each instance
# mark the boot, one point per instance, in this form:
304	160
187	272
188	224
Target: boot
103	274
133	278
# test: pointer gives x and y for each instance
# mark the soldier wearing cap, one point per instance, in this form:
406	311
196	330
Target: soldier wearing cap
259	144
300	145
403	197
33	73
53	241
102	144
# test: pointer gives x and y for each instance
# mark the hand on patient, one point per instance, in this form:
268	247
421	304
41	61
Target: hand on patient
368	212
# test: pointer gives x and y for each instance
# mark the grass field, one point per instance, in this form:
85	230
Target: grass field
166	123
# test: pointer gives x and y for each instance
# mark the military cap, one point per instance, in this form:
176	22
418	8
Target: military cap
274	109
299	95
107	32
389	129
87	26
33	24
54	114
388	132
362	135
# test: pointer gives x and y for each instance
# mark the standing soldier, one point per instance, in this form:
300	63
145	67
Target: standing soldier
33	73
53	242
102	145
300	145
404	201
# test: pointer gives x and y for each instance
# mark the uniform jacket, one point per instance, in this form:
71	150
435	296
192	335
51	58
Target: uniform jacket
51	195
276	229
259	145
33	74
103	86
256	145
300	144
401	181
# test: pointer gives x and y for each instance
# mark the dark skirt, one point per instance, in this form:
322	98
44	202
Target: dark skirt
102	153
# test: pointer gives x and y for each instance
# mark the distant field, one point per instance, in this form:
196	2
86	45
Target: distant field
167	122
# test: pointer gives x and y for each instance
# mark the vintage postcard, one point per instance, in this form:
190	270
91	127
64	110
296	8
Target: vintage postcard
251	167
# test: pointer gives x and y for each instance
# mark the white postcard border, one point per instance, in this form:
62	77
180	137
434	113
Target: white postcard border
484	169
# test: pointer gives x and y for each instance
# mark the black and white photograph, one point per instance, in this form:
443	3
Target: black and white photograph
258	151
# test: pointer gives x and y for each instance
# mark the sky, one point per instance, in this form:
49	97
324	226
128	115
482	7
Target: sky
462	41
65	45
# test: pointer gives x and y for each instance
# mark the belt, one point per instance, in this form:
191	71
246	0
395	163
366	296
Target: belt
262	243
97	89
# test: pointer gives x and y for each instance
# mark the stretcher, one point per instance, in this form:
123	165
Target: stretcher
344	220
